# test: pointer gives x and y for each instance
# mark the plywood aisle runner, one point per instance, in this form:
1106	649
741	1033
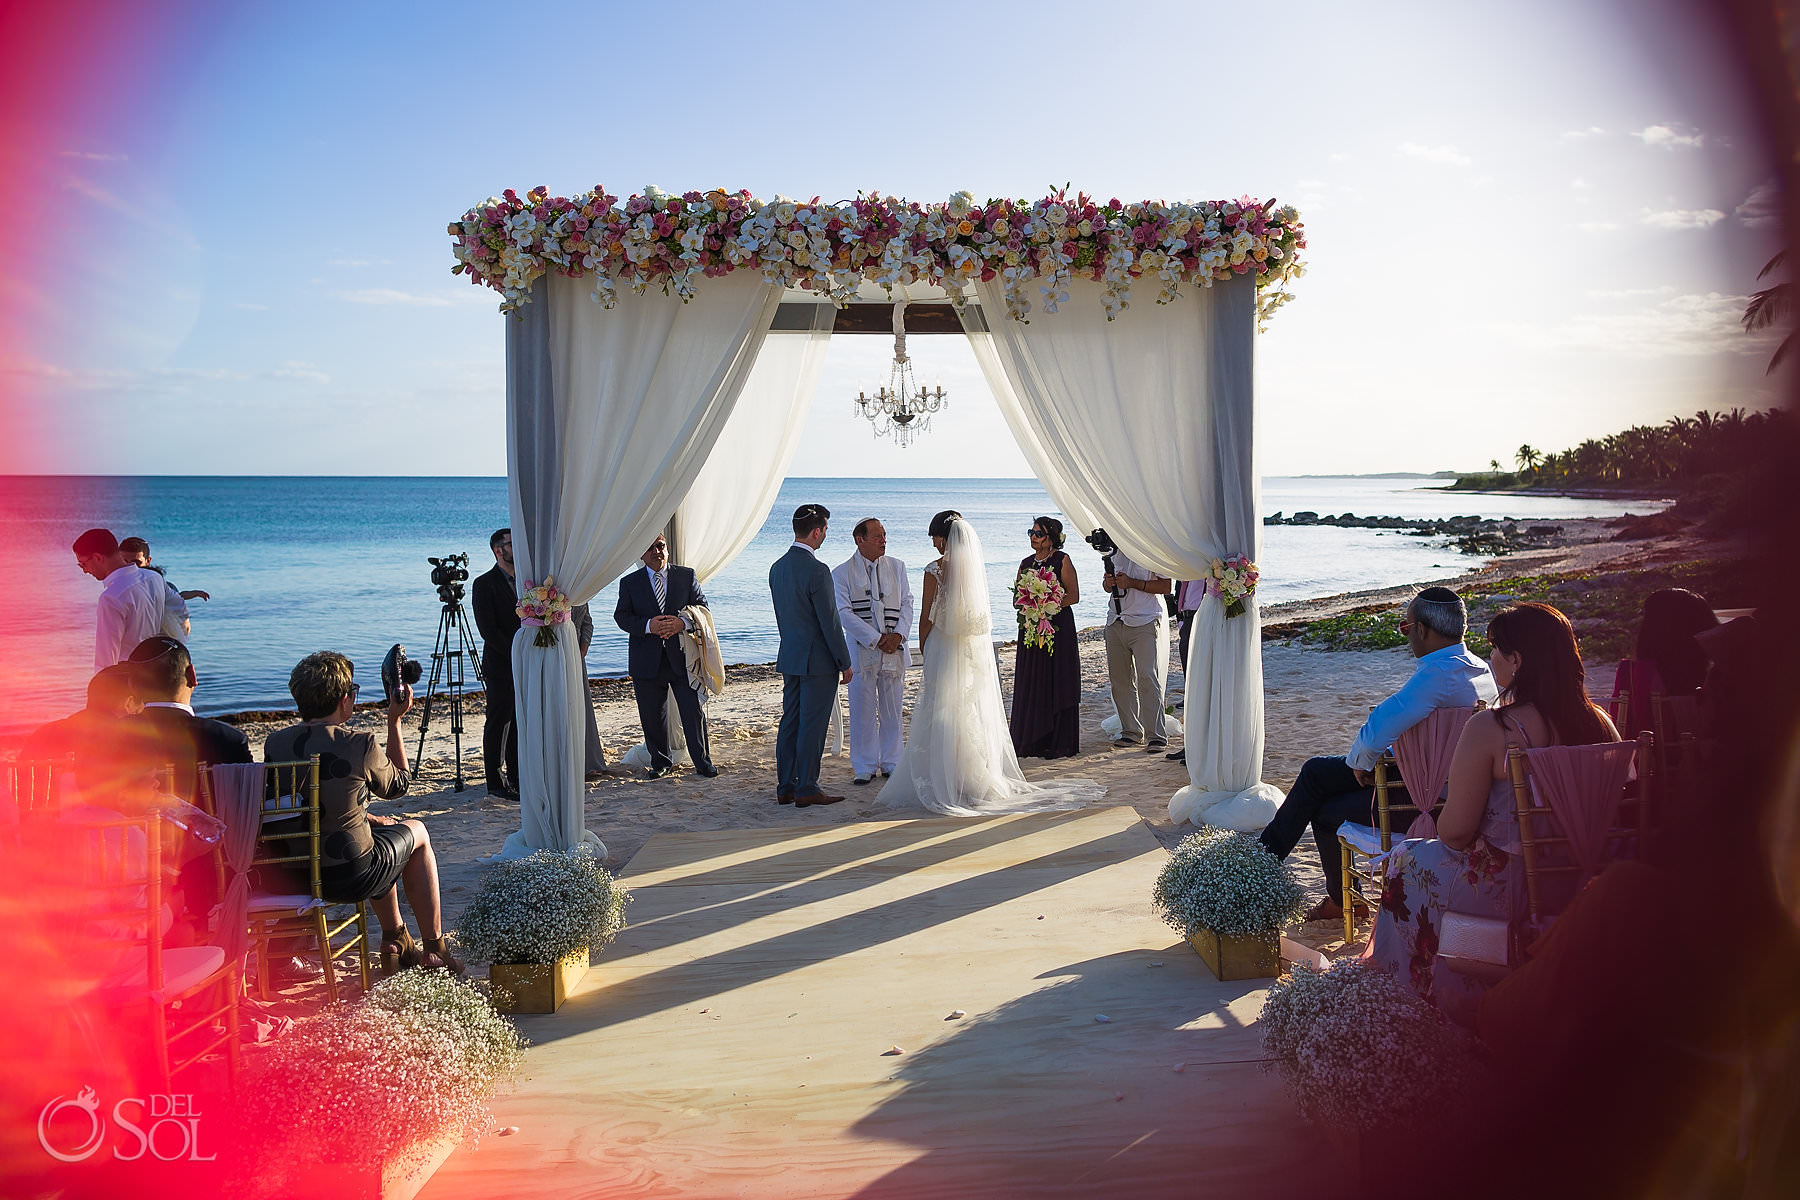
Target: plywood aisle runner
730	1043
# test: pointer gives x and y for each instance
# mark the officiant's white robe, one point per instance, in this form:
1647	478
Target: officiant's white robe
880	588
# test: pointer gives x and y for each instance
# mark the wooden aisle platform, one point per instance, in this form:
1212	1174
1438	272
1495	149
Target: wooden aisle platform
731	1042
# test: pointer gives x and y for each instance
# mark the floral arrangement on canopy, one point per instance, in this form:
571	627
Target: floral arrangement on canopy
658	239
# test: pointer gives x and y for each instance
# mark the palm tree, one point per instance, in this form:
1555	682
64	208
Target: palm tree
1494	465
1769	307
1528	458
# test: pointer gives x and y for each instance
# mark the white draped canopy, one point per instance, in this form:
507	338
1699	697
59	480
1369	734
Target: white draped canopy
1143	426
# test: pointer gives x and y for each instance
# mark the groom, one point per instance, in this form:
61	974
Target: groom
813	659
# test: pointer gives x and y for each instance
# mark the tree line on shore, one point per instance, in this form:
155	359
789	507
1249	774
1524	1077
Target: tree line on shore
1680	451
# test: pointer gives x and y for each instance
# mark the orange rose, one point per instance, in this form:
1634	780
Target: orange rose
965	228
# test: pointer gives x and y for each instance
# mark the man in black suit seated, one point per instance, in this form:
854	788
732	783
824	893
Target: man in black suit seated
495	598
168	732
649	608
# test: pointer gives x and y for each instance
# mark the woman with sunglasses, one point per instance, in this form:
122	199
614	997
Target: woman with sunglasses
1046	712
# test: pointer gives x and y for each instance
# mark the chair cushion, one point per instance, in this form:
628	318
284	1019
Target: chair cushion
298	903
182	969
1365	839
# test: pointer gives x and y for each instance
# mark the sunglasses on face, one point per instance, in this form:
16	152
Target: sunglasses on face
1406	625
1037	533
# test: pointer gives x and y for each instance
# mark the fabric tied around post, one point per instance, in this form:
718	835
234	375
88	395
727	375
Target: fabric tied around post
238	792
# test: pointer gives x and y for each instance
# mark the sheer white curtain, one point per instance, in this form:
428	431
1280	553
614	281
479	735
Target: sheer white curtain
1144	426
730	499
611	413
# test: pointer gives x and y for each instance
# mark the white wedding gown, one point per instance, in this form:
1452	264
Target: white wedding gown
958	759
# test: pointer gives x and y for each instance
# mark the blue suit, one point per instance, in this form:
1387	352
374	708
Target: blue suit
812	657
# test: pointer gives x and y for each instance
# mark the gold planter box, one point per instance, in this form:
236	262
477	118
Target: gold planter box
536	987
1238	957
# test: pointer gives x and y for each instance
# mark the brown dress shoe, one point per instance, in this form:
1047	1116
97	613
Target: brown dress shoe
817	798
784	797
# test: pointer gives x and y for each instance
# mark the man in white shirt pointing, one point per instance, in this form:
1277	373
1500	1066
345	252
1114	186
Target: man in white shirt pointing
131	599
875	604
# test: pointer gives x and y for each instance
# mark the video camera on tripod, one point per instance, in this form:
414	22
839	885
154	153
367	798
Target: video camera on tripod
455	645
448	574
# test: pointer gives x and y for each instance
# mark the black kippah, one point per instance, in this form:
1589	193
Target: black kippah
1439	595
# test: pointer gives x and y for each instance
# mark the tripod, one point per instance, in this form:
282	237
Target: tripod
447	664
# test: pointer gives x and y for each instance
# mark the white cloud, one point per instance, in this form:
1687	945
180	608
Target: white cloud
90	156
1580	185
1576	135
393	297
1448	156
1761	209
1598	226
300	372
246	306
1629	293
1338	156
1671	137
1683	218
1686	326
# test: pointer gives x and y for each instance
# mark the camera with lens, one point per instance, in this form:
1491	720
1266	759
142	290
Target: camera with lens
448	575
1107	548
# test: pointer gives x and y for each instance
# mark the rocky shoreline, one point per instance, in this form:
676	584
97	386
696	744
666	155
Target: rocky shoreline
1469	535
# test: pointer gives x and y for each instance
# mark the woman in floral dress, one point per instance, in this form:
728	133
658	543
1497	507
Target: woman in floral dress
1473	865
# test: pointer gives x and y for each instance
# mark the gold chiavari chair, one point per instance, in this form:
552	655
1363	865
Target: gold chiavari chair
1553	869
188	994
34	785
288	901
1393	798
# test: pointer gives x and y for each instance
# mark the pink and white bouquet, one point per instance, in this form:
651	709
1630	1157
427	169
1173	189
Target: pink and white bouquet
1232	580
543	607
1039	596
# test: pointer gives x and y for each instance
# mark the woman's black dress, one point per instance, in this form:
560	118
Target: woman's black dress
1046	708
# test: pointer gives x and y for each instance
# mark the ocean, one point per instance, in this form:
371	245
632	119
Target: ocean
297	564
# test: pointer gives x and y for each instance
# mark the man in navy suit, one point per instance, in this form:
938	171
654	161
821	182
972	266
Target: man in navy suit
649	611
813	659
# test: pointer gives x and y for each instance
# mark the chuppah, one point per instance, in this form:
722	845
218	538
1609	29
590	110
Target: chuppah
637	330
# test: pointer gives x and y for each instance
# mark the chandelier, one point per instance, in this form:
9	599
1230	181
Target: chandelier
901	409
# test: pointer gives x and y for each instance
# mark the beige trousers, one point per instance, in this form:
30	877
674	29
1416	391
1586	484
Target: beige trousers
1137	665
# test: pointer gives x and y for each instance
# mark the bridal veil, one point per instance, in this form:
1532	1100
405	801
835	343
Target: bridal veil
958	759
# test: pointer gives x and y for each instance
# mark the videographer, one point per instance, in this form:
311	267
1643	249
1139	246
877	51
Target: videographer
495	598
1137	645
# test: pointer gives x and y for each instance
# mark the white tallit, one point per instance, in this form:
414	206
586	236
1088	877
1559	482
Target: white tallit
877	595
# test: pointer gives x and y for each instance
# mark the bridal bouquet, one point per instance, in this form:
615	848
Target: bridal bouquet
1232	580
543	607
1039	596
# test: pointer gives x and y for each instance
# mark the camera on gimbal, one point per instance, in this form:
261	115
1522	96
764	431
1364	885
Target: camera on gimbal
448	574
1107	548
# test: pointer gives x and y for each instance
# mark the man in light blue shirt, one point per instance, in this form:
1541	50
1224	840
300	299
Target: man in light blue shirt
1333	790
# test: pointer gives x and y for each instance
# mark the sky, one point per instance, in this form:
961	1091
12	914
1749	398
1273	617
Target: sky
1527	223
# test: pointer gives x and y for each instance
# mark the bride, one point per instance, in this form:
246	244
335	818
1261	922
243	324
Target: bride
958	759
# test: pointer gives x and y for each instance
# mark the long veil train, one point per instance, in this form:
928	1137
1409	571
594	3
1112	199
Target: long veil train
958	759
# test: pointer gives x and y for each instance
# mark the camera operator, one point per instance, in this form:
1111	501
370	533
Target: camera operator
1137	645
495	598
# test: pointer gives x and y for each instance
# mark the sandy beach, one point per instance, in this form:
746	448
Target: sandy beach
1315	700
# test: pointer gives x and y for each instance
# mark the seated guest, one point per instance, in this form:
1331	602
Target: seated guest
1333	790
1473	865
1666	660
167	732
362	855
111	697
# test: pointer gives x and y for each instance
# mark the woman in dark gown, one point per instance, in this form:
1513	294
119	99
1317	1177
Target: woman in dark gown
1046	709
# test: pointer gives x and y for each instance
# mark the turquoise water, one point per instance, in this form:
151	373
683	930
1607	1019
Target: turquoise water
302	564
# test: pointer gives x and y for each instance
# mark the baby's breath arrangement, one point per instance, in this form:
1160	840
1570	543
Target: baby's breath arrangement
543	907
1226	882
360	1083
1338	1037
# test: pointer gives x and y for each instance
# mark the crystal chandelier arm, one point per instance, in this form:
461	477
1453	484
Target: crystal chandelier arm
900	331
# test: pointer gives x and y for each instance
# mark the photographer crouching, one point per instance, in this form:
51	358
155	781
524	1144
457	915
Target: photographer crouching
1137	644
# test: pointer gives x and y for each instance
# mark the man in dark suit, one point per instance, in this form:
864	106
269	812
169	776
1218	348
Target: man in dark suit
649	608
813	659
495	598
169	732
